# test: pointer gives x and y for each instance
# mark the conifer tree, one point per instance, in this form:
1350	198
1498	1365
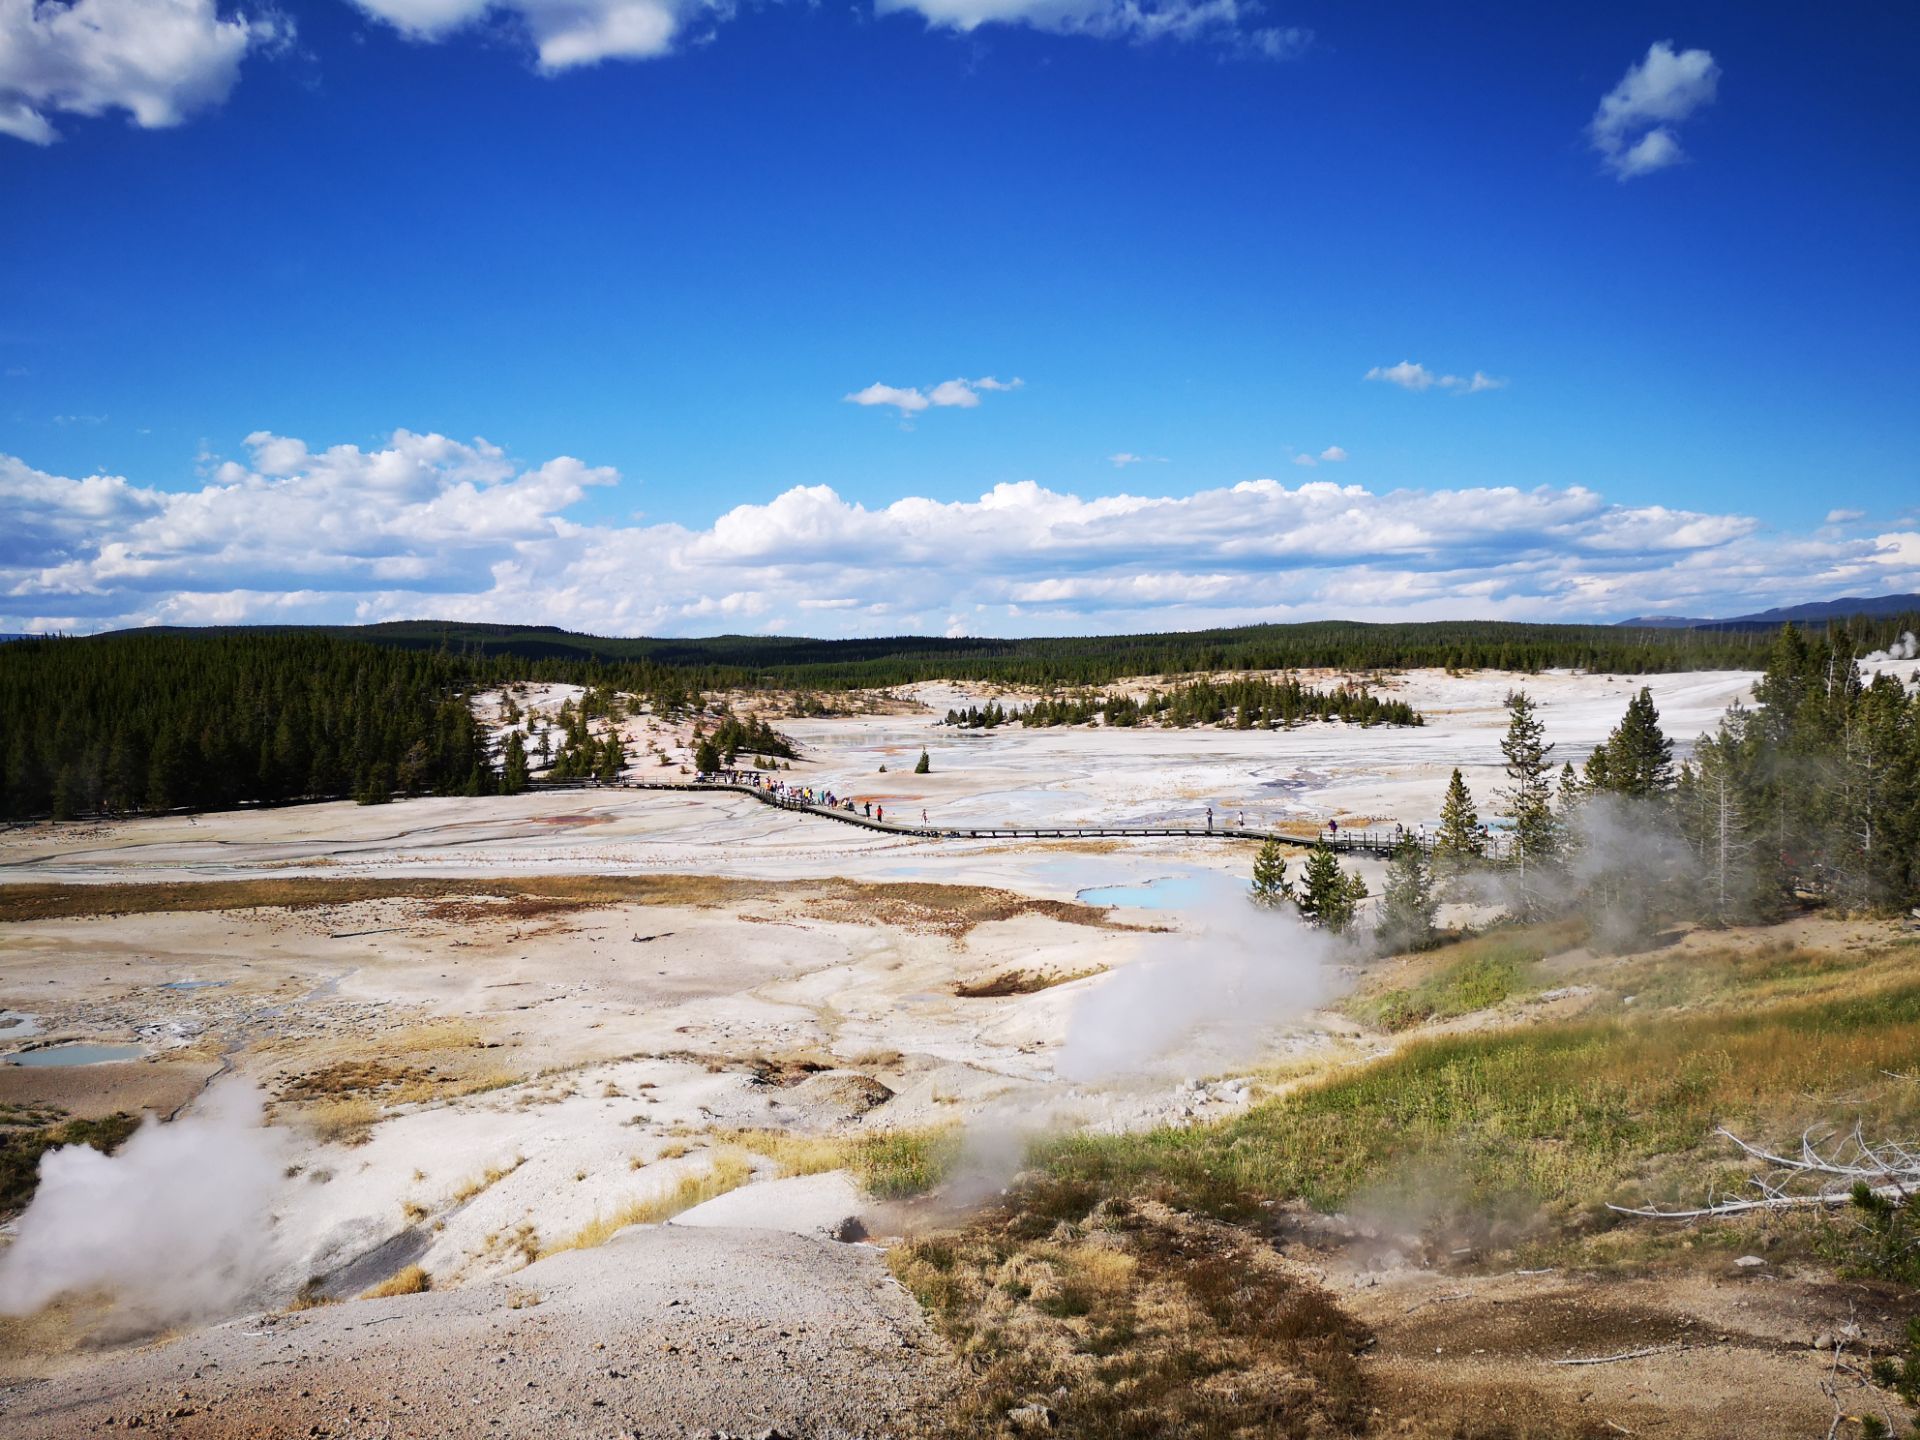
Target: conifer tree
1528	797
1636	760
1271	887
924	765
1458	846
1408	904
706	756
1328	896
513	775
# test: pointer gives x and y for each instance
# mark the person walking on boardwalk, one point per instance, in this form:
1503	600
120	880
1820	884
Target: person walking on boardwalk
1209	817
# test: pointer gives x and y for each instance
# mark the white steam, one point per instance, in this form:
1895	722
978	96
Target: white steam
1206	996
175	1226
1907	647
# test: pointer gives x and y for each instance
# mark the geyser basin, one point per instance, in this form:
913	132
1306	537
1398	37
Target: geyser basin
78	1055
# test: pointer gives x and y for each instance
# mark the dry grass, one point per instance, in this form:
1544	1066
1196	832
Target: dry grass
1131	1322
451	1087
727	1172
1022	982
342	1122
413	1280
485	1180
950	909
889	1164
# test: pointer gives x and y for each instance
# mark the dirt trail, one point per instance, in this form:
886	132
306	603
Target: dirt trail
1562	1353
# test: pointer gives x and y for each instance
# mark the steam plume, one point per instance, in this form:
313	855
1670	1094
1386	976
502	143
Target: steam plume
174	1226
1206	996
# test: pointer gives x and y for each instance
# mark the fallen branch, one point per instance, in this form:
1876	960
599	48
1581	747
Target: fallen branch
1628	1355
1886	1171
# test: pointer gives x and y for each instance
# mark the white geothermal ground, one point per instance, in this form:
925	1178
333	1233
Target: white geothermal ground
464	1080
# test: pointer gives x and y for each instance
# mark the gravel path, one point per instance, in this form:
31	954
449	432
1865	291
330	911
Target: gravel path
664	1331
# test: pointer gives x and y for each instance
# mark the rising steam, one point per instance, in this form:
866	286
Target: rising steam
1907	647
1203	998
173	1227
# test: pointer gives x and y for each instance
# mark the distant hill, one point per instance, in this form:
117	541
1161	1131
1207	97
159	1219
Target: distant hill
649	664
1814	612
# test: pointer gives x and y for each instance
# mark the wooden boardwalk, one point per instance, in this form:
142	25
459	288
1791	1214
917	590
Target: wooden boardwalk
1355	842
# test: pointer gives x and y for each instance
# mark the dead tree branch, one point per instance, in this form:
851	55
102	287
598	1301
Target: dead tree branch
1835	1169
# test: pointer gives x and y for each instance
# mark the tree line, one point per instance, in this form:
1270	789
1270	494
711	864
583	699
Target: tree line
158	722
671	669
1810	797
1245	703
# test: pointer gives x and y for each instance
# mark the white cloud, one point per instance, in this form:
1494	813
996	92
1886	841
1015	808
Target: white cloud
157	60
911	400
1845	517
428	526
1332	455
1633	128
1229	23
1124	458
566	34
908	402
1411	375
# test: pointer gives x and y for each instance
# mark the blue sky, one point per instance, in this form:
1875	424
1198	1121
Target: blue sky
1190	232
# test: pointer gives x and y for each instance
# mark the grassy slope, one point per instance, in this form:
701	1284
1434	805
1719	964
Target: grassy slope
1523	1132
1565	1115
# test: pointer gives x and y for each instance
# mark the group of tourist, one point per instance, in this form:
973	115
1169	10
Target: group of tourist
799	796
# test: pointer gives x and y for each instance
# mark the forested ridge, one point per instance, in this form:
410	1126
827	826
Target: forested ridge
162	719
727	661
159	721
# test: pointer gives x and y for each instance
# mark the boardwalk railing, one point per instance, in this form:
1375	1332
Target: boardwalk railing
1361	842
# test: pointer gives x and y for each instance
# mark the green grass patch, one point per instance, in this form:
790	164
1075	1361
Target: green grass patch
1563	1115
1472	975
889	1164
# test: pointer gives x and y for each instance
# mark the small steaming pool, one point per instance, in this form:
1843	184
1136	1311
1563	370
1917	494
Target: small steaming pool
78	1055
1165	892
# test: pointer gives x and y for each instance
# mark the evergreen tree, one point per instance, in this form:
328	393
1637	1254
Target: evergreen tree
1408	904
1458	846
513	776
1636	760
1568	798
924	765
1528	797
1328	896
706	756
613	759
1271	886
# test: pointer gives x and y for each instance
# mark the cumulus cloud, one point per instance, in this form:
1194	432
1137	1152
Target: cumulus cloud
1332	455
1411	375
911	400
157	60
565	34
1229	23
424	525
1634	127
